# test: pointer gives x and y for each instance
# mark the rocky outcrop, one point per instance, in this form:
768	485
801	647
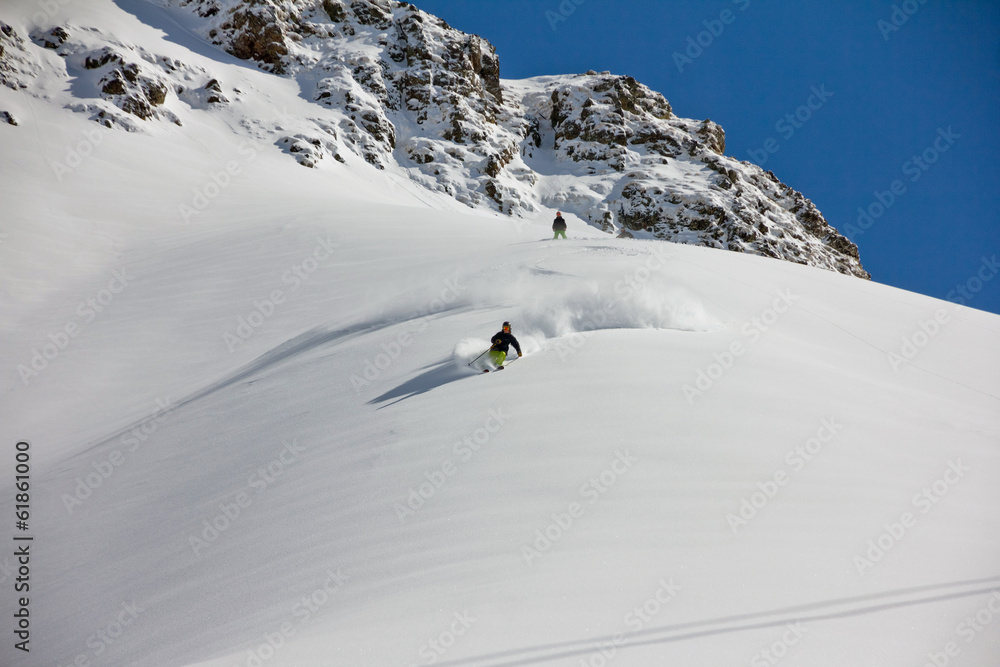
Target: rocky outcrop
607	111
52	38
17	68
131	90
309	150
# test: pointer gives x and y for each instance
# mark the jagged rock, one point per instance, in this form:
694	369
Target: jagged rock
308	150
17	68
102	58
107	115
133	91
203	97
214	92
258	35
335	10
50	39
8	117
713	135
376	13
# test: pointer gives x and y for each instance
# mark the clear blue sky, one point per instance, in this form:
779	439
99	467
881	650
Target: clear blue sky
886	81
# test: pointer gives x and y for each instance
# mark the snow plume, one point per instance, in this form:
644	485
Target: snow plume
624	291
591	306
546	299
546	305
466	352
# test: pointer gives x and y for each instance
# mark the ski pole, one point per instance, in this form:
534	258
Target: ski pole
479	357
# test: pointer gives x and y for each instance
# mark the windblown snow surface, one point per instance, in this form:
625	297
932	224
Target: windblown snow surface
255	439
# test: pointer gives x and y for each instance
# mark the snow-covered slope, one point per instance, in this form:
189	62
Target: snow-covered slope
254	440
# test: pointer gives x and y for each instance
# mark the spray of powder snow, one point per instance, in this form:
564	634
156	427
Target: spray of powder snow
466	352
554	306
590	306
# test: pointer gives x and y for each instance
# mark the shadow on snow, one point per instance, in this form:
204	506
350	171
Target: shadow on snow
435	375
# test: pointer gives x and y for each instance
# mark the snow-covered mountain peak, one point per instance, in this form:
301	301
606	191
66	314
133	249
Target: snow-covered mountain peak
404	91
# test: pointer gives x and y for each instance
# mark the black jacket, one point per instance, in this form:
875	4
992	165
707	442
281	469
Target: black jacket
502	341
559	225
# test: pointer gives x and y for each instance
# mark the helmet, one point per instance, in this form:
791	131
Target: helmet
506	325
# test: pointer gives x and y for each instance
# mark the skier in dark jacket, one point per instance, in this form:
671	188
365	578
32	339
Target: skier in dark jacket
559	226
501	343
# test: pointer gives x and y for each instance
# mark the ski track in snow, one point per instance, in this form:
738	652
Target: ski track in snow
730	624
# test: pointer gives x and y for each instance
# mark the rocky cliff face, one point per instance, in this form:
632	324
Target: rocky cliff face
403	90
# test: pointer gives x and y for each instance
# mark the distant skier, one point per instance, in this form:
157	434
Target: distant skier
501	343
559	226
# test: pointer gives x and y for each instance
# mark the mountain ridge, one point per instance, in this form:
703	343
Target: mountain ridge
403	90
